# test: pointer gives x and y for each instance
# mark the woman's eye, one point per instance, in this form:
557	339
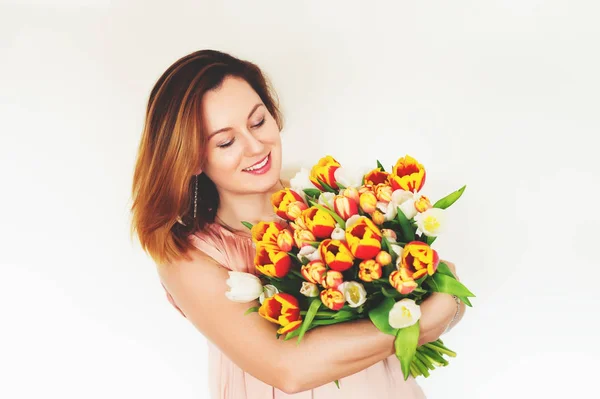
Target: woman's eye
259	124
226	144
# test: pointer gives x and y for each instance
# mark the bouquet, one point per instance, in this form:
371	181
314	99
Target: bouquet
351	245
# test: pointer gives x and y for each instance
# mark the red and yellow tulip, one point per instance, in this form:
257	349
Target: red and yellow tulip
422	204
288	204
352	193
401	282
314	271
324	170
383	258
282	309
332	279
369	270
333	299
266	232
383	192
285	240
319	222
336	254
303	237
345	207
377	176
418	259
408	175
368	202
271	261
364	238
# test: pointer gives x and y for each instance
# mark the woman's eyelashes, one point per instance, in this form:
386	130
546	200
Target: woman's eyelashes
230	142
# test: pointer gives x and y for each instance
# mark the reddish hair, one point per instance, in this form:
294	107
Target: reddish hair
173	147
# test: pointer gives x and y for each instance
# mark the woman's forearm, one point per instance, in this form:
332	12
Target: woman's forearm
328	354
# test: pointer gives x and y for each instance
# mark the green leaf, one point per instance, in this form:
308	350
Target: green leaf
407	230
405	346
430	240
442	283
390	293
312	311
337	383
444	269
248	225
380	316
326	186
340	186
312	192
450	198
380	166
251	310
337	217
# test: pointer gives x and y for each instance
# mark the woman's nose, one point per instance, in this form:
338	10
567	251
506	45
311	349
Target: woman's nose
253	145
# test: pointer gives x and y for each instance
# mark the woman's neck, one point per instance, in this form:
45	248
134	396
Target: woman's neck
235	209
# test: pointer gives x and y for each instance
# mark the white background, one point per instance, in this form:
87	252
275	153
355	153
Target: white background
499	95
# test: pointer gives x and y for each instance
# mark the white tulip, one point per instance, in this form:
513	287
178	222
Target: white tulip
352	220
338	234
431	222
404	313
398	250
354	293
326	199
268	291
350	176
309	289
309	252
301	181
244	287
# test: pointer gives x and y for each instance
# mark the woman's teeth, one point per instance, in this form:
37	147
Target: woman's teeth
259	165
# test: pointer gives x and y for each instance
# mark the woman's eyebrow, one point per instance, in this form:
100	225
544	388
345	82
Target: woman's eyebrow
228	128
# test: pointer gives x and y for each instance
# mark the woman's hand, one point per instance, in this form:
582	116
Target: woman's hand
437	312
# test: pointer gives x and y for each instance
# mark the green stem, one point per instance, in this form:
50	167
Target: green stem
297	274
422	369
440	348
414	371
319	314
424	360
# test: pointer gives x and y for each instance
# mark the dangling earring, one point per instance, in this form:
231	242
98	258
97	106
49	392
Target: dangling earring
196	197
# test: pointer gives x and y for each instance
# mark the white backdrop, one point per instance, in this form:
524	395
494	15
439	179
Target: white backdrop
500	95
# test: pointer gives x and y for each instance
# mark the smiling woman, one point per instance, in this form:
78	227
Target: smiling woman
210	158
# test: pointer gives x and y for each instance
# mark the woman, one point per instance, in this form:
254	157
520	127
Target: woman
210	158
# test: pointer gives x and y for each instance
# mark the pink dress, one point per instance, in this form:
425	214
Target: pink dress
228	381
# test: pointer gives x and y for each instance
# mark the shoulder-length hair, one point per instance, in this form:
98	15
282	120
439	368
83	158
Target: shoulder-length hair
173	147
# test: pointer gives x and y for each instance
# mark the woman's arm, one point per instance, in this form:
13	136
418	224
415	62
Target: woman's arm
324	355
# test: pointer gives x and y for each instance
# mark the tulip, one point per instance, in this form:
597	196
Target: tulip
336	254
303	238
294	210
309	289
419	259
338	234
366	187
353	220
383	258
268	291
350	176
300	182
285	240
389	234
408	175
378	217
431	222
422	204
324	170
368	202
332	279
404	313
376	176
333	299
244	287
383	192
369	270
319	222
345	207
354	293
314	271
401	282
352	193
282	201
282	309
266	232
308	253
364	238
326	200
271	261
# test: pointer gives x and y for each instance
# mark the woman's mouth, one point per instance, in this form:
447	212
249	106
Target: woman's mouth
261	167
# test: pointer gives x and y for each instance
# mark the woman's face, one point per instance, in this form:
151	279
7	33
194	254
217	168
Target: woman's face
244	145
